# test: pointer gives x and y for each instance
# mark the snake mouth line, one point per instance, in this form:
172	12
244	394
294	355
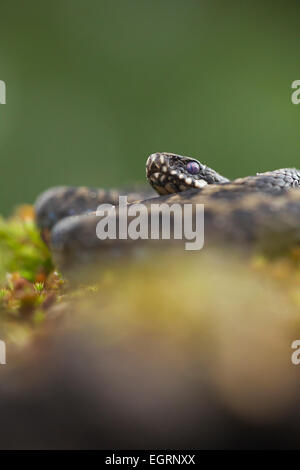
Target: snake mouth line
167	176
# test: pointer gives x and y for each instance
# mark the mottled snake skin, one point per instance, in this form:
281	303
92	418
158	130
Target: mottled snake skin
262	209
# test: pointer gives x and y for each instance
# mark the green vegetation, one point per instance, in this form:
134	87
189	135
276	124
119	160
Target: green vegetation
21	248
28	283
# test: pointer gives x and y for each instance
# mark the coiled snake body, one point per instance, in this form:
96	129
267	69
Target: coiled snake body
264	207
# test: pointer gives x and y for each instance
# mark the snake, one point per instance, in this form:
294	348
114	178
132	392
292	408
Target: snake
252	210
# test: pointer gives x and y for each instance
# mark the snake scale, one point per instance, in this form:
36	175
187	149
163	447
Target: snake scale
264	208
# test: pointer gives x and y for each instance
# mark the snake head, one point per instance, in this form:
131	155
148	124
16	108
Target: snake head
170	173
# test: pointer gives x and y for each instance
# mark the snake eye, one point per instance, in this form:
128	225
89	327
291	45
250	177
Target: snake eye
193	168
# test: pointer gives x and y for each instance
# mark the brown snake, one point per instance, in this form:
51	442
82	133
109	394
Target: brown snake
264	207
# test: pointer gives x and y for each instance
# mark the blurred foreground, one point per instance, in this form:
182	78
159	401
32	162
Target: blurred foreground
173	352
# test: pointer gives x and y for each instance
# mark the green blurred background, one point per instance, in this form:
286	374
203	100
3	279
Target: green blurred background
94	86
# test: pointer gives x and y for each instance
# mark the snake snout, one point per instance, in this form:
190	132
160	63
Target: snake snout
169	173
154	163
157	166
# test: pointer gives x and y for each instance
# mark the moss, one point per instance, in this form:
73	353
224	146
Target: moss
28	283
21	248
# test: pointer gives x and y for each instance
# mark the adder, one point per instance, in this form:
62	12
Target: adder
264	208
